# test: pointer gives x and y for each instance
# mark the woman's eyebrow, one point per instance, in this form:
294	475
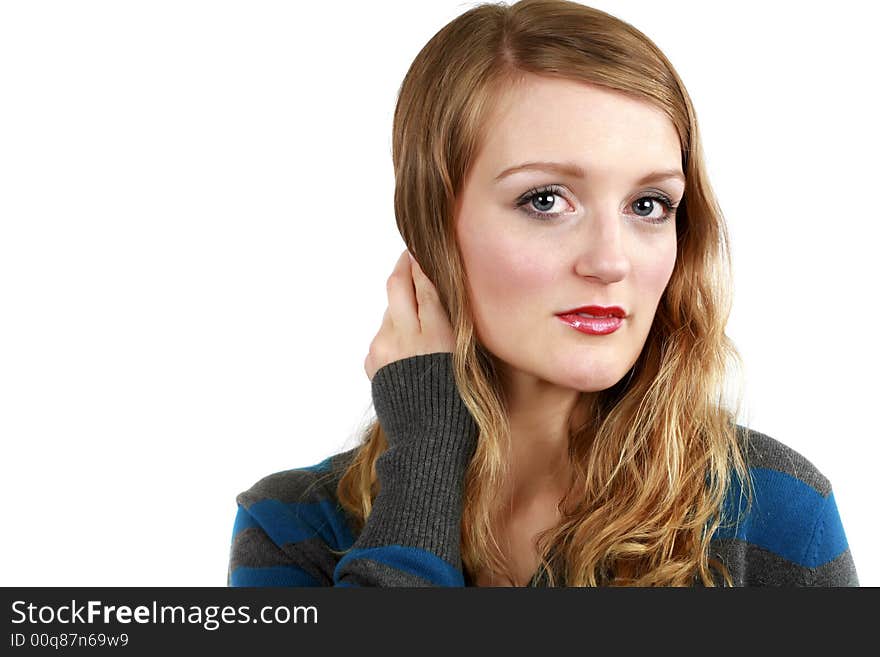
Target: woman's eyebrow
576	171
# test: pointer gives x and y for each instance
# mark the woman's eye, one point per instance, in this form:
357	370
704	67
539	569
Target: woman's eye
545	201
648	206
540	203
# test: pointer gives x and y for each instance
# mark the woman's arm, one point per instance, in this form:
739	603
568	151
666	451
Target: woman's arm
412	536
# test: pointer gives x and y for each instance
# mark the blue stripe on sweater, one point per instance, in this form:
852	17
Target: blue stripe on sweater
421	563
243	520
788	517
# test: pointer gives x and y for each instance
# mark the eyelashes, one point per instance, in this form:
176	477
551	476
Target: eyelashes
555	190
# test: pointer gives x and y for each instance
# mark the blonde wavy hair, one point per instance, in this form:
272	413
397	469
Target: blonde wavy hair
655	457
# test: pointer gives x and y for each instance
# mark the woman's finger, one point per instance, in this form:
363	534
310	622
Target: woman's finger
402	302
429	307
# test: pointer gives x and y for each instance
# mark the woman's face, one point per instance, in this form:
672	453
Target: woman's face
600	242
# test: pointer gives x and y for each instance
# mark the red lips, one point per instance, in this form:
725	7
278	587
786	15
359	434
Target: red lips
599	311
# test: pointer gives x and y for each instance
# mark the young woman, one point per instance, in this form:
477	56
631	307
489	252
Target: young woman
549	373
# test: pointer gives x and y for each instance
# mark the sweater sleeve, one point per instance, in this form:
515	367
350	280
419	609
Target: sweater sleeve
412	535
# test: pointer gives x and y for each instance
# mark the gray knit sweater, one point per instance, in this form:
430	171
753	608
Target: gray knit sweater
289	529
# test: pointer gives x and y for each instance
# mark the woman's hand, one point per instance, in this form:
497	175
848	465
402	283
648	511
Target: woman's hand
415	321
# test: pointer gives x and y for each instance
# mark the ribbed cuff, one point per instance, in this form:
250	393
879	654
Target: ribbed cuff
432	437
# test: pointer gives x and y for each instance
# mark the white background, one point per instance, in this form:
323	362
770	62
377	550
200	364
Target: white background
196	226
